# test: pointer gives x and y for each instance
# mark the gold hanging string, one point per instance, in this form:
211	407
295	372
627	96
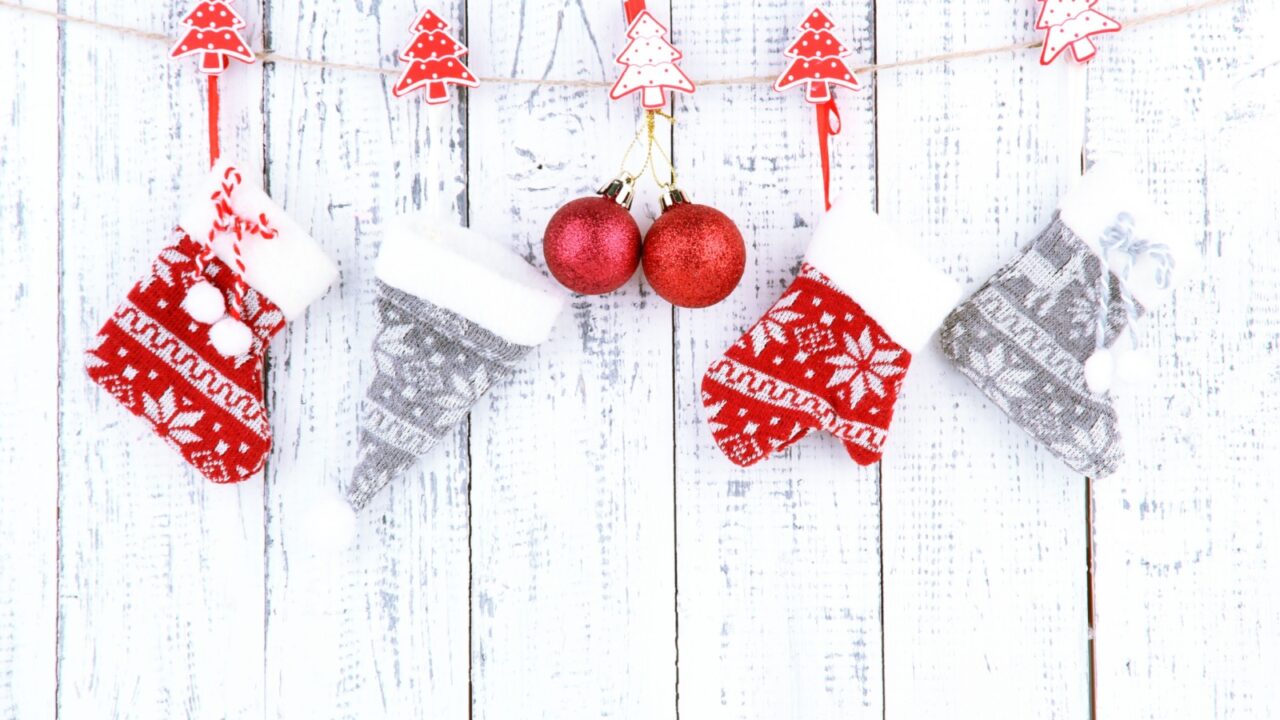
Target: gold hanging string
652	147
271	56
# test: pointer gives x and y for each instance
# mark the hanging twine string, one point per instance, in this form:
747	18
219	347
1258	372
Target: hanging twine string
270	56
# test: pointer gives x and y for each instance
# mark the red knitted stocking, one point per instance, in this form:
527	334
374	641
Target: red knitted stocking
816	360
161	364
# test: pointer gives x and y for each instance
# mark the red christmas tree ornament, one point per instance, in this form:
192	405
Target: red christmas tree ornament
434	59
694	255
816	60
214	34
650	63
817	64
1070	23
592	245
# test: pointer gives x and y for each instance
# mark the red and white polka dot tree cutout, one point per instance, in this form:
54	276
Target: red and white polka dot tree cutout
214	34
434	59
1070	24
650	64
817	60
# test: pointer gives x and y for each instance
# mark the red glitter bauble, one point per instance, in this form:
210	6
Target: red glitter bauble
694	255
592	245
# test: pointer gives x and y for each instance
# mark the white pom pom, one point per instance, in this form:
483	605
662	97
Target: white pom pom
204	303
231	337
330	525
1099	371
1134	366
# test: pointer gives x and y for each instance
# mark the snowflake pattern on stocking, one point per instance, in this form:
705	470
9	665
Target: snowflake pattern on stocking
815	361
158	362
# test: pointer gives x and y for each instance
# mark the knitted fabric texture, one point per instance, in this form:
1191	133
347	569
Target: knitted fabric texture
816	360
1023	339
160	364
433	365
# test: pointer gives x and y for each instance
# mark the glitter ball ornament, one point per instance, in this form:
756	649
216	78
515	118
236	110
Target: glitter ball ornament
592	245
694	255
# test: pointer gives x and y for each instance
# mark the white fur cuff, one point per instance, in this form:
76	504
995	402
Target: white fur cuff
1109	207
290	269
894	283
462	270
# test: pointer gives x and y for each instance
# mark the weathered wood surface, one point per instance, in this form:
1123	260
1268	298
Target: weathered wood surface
29	360
1187	534
161	590
580	548
572	600
778	564
381	631
984	553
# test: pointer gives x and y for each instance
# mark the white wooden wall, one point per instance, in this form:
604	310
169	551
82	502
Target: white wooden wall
580	548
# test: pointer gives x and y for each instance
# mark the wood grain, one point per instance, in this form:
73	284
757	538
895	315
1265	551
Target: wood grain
29	411
780	607
160	589
380	630
984	571
1186	577
779	563
573	609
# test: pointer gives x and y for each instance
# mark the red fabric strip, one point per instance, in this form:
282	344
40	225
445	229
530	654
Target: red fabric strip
828	127
215	107
632	8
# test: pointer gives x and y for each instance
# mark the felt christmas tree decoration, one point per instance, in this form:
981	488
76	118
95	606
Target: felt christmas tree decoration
456	312
213	33
184	351
435	61
832	353
1071	24
1043	337
650	64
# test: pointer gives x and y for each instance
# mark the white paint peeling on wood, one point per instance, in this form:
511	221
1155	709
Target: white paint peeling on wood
779	564
1186	534
381	630
985	589
28	413
161	572
573	610
530	566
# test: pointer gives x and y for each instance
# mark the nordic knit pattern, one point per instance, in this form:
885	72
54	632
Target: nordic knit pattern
1023	339
158	362
816	360
432	367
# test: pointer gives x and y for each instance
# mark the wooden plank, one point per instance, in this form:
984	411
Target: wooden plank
382	629
573	597
778	564
161	572
1185	535
985	590
28	415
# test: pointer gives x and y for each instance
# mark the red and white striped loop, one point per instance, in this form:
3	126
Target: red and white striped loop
227	221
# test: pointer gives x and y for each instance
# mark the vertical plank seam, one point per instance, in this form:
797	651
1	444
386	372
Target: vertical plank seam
1089	580
675	431
875	162
268	72
1089	591
61	330
465	211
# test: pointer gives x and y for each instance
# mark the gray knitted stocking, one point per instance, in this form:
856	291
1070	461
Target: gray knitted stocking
1024	337
433	365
